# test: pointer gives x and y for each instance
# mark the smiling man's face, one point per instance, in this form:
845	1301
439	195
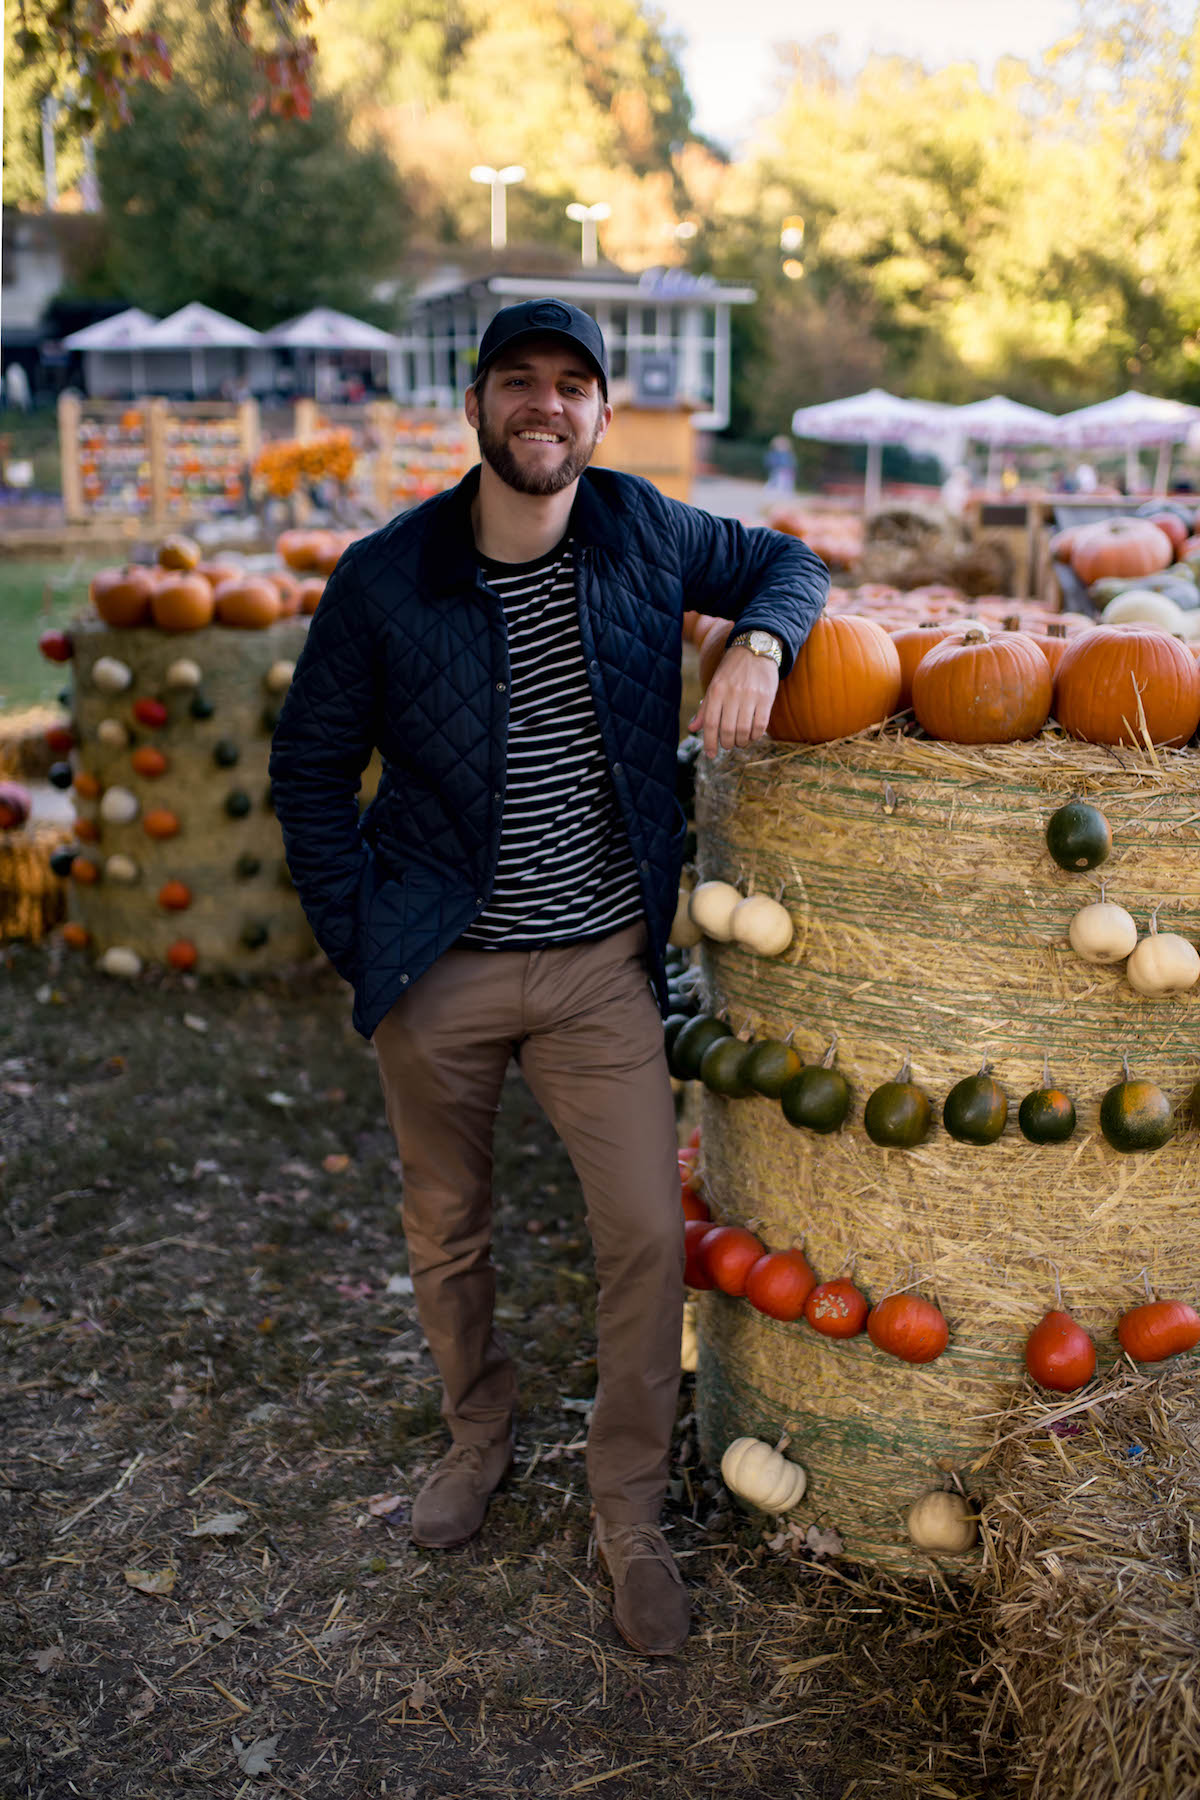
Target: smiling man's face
539	412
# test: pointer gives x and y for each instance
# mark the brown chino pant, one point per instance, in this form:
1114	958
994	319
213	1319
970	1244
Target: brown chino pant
582	1023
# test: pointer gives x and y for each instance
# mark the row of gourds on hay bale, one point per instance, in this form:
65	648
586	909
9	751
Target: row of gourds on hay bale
179	672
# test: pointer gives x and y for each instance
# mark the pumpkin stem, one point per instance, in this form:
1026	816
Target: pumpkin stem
905	1067
1056	631
1154	919
1045	1068
791	1034
1012	622
784	1441
1057	1286
1125	1063
1146	1283
827	1059
976	635
983	1067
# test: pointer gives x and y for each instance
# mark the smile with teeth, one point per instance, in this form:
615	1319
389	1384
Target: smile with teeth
539	437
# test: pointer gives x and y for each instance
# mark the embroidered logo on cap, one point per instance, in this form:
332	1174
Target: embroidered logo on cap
548	312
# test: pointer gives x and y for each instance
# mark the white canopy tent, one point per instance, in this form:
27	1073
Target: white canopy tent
1132	422
196	331
1001	423
122	334
323	333
873	418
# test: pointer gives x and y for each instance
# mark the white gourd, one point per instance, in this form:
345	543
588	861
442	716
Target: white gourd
121	961
684	932
121	869
689	1349
942	1522
762	925
762	1476
112	734
279	676
1142	606
1102	932
184	673
711	908
111	675
119	806
1163	963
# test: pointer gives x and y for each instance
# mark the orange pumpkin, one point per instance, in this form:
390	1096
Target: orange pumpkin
977	689
182	954
912	642
77	936
1051	642
846	677
327	553
148	761
160	822
250	602
217	572
178	552
86	785
712	649
288	589
1104	674
298	548
311	590
1120	547
1172	526
85	871
122	596
182	603
174	896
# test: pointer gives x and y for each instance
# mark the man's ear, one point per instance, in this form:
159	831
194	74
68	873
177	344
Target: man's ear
471	407
606	413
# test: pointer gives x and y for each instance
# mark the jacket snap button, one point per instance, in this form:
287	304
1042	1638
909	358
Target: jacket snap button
594	667
616	768
404	981
645	866
499	687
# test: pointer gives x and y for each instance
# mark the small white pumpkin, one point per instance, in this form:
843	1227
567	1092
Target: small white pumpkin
689	1349
1142	606
121	869
761	1476
1162	963
183	673
112	734
111	675
120	960
119	806
943	1522
762	925
279	676
684	932
1102	932
711	908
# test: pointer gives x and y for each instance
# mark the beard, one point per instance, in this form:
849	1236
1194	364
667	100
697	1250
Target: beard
494	449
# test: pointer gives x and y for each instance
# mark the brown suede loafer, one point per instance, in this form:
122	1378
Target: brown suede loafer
450	1508
650	1603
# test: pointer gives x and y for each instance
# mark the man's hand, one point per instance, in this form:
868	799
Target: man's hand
737	706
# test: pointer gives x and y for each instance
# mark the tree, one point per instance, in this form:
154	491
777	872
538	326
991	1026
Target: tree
259	215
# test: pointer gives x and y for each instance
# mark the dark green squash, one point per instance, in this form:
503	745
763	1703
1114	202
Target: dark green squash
898	1113
769	1066
1136	1115
1078	836
691	1043
722	1066
818	1098
1047	1114
975	1111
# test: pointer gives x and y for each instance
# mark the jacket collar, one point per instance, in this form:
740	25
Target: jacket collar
448	560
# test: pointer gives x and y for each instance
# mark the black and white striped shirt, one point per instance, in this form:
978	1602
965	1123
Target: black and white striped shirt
565	872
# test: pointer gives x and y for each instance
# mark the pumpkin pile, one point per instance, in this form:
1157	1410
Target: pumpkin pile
836	537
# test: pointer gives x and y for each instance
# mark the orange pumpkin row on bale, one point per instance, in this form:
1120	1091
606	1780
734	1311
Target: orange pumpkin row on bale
312	552
1118	547
1122	684
185	600
846	677
979	688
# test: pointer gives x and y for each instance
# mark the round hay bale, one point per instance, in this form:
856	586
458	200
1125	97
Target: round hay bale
931	920
1091	1577
228	851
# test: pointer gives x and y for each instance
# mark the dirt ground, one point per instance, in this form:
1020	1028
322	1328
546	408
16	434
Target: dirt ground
217	1407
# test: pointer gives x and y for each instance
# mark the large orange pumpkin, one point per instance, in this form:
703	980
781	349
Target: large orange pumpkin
978	689
178	552
1120	547
298	549
912	643
846	677
122	596
182	603
1103	675
249	603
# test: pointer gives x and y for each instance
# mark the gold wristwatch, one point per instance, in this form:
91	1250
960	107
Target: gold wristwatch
759	643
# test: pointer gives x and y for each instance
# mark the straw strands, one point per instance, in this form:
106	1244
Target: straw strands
931	919
1093	1567
32	898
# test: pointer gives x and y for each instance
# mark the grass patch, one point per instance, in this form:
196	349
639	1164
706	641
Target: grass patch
35	595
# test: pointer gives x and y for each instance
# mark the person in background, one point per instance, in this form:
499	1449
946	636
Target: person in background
779	461
512	648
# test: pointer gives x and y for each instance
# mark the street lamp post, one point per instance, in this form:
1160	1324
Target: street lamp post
499	180
589	217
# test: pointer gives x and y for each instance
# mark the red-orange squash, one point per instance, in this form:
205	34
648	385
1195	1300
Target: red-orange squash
182	954
1159	1329
174	896
250	603
1105	673
1120	547
846	677
907	1326
122	596
149	761
182	603
160	822
779	1283
974	688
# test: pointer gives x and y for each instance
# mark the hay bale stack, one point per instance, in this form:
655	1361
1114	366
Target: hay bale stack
1093	1569
24	752
32	898
931	919
244	914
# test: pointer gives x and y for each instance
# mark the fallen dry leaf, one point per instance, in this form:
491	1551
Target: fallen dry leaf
161	1582
419	1694
380	1506
255	1758
220	1525
336	1163
45	1660
823	1543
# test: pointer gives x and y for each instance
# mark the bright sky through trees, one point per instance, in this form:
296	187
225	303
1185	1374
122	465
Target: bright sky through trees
730	66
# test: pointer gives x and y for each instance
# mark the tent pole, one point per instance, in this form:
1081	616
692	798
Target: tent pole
1162	469
873	486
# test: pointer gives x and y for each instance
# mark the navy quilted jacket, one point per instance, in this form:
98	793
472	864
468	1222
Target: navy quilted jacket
408	653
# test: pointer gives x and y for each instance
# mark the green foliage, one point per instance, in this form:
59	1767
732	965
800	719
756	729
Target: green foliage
259	216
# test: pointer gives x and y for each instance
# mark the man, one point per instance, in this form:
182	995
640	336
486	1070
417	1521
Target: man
513	649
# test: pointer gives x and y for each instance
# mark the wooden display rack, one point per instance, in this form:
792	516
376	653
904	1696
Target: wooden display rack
152	462
405	454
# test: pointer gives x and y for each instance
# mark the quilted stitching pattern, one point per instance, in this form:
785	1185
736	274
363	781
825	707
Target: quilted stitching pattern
407	651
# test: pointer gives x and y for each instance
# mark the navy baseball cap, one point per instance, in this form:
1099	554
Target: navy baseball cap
545	318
